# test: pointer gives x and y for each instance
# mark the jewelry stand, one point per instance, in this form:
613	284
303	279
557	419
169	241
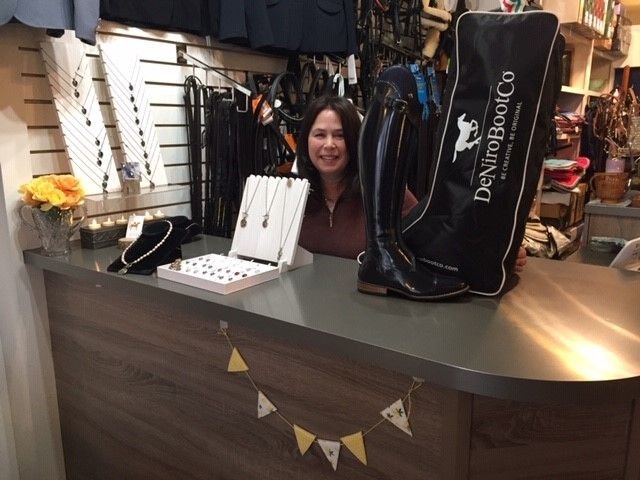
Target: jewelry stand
134	124
267	230
83	130
282	201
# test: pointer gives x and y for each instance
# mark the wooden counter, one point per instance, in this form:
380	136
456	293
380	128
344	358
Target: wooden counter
540	383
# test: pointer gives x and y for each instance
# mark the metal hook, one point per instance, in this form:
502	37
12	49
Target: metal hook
246	105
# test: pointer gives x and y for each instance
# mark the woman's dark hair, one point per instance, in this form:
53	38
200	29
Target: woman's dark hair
351	129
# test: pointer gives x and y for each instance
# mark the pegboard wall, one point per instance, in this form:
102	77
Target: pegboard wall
164	81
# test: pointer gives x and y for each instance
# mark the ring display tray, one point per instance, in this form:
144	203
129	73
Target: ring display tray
219	273
267	230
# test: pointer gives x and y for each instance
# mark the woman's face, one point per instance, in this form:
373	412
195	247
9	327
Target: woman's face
327	146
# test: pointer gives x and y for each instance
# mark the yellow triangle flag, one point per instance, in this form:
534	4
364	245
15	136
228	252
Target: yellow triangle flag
236	362
304	438
355	443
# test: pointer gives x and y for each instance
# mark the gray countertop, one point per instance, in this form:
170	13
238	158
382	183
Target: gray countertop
566	332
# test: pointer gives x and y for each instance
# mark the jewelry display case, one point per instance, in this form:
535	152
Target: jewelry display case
265	242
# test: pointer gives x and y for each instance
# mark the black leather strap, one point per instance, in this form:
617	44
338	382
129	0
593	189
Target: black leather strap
193	109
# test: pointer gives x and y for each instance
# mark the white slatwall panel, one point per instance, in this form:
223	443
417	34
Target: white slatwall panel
164	78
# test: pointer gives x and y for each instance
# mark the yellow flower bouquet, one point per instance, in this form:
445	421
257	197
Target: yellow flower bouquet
53	191
51	200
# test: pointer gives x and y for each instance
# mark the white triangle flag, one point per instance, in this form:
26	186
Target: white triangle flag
265	407
331	450
397	415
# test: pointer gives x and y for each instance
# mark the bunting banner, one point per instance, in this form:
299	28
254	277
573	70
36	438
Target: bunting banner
331	450
394	413
236	362
265	407
355	444
304	438
397	415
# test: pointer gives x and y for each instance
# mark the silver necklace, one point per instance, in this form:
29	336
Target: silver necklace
245	212
331	208
74	77
131	89
88	162
128	265
75	103
267	205
293	219
76	143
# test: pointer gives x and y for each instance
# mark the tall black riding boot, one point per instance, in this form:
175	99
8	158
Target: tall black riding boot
387	140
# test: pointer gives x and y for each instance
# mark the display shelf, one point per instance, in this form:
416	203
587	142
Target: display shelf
579	17
580	91
589	70
147	198
606	54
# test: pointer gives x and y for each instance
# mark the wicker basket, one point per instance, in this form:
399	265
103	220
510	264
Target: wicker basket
609	187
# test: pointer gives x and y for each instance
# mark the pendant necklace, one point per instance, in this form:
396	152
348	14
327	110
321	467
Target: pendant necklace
68	88
79	125
89	175
78	142
138	147
76	73
81	107
132	84
293	219
245	212
73	82
331	208
128	265
132	90
98	160
267	205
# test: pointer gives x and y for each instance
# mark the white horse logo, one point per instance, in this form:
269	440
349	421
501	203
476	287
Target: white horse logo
466	131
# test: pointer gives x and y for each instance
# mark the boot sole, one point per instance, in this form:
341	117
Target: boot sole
380	290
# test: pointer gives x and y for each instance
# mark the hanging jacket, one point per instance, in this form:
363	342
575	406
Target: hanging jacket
329	26
245	22
78	15
192	16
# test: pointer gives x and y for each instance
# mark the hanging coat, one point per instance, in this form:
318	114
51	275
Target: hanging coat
78	15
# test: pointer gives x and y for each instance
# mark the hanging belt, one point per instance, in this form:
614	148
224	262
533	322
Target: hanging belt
192	103
286	100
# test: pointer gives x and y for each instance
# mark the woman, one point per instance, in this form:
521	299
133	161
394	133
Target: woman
328	157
